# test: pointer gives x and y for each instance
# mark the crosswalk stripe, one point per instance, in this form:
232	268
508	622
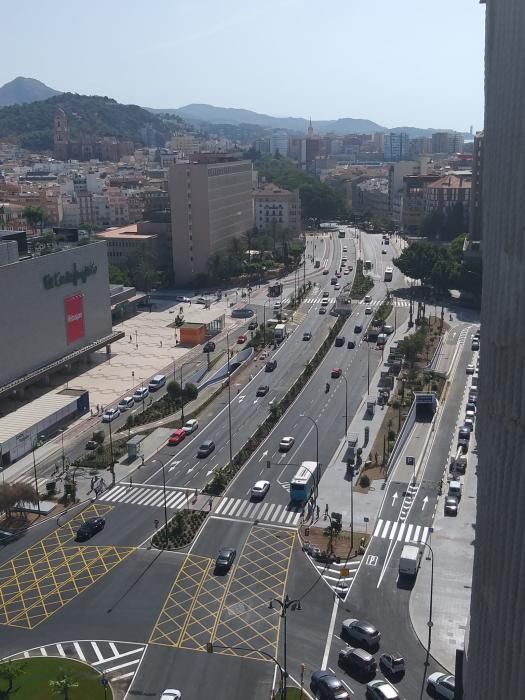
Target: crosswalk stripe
409	533
138	495
386	528
424	534
401	531
221	505
175	500
236	507
79	651
416	534
270	511
149	499
296	518
378	527
290	517
228	502
43	651
393	530
60	649
262	511
97	651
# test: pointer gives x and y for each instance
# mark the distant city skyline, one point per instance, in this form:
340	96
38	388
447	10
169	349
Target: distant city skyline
395	66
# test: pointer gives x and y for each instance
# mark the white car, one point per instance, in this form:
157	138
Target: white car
346	272
368	299
345	249
125	403
337	286
110	414
381	690
286	444
260	489
368	310
442	685
190	426
171	694
470	369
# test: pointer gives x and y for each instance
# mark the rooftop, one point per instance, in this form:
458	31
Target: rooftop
453	181
129	231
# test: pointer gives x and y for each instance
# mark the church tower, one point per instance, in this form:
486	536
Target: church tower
61	135
310	133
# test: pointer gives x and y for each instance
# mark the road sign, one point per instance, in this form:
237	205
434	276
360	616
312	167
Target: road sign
410	461
366	519
371	560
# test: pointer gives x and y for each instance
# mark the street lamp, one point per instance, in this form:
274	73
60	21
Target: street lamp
111	457
229	399
191	362
165	503
430	624
34	445
284	605
264	321
316	480
63	454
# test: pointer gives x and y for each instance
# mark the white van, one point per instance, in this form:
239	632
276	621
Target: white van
141	393
454	489
157	381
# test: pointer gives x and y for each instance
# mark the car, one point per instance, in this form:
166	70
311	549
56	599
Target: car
346	272
361	632
475	345
6	536
469	423
381	690
327	686
286	444
260	489
322	310
209	346
470	416
190	426
206	448
464	433
345	249
252	326
125	403
357	661
337	286
171	694
270	366
336	372
262	390
339	341
325	302
337	274
442	685
89	528
358	328
350	345
176	437
350	267
181	297
140	393
368	310
91	445
110	414
367	299
241	339
383	251
451	505
392	664
470	369
307	335
325	272
225	558
471	407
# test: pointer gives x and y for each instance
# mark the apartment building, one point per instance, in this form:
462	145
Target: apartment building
447	191
396	147
275	206
447	142
211	204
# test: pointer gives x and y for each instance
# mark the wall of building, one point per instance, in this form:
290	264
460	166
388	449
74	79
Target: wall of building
35	319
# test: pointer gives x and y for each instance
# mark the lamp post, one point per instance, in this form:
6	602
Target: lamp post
191	362
229	399
264	322
284	605
35	444
112	461
63	454
368	368
165	503
346	403
316	479
430	623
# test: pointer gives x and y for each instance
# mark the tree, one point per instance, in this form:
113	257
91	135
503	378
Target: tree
99	436
190	392
34	217
7	499
173	390
118	275
10	671
63	684
25	493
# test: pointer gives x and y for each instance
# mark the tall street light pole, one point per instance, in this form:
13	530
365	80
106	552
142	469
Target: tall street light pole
317	476
368	368
34	446
165	501
284	605
112	461
430	623
264	322
229	400
346	403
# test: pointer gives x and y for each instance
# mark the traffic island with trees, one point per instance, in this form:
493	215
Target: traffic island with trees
182	528
362	283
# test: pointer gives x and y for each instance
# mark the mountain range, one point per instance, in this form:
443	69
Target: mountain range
23	90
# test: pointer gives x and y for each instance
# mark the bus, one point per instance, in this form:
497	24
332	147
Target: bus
304	482
388	274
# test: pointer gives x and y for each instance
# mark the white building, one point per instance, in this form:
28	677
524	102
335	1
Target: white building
279	143
276	206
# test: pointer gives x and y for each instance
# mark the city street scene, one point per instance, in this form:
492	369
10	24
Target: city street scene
243	408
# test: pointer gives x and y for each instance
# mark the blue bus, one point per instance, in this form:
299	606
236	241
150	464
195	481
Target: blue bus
304	482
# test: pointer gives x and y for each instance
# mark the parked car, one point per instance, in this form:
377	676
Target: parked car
177	436
241	339
336	372
361	632
140	394
442	685
381	690
339	341
286	444
252	326
270	365
89	528
464	433
190	426
307	335
125	403
91	445
357	661
470	369
171	694
262	390
451	505
110	414
206	448
475	345
209	346
358	328
350	345
225	559
392	664
327	686
6	536
260	489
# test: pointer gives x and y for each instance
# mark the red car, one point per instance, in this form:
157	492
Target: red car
176	437
242	339
336	372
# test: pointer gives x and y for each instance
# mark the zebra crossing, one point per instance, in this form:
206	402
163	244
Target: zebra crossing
401	531
331	300
147	495
260	511
118	661
332	575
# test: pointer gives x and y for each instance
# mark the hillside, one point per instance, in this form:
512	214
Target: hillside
22	90
31	125
203	113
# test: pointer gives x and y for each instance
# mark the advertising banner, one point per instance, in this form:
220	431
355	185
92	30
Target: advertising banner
74	307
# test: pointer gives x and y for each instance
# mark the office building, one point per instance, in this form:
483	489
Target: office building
496	642
396	147
476	210
279	143
275	206
447	142
211	204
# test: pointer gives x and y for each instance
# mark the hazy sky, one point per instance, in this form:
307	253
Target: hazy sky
404	63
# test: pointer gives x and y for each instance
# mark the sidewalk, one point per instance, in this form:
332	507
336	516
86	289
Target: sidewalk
452	542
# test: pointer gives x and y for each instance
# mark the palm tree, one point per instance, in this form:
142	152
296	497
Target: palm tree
63	684
34	216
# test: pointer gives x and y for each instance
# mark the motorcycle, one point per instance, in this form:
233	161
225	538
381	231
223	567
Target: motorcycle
327	388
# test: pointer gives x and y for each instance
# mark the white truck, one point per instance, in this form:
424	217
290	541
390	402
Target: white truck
409	560
279	332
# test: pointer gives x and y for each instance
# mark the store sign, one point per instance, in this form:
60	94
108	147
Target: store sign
74	276
74	307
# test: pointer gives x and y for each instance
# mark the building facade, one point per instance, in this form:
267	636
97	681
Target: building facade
275	206
396	147
447	142
447	191
476	209
279	143
211	204
496	642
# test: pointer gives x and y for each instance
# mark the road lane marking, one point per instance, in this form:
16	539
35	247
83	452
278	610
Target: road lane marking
79	651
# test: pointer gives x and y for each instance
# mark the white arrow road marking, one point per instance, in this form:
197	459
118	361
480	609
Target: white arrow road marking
212	469
241	398
424	503
263	455
178	461
256	401
394	498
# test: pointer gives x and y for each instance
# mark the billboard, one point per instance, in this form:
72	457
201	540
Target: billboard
74	307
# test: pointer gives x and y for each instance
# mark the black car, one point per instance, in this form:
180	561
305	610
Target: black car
451	505
358	329
225	559
262	390
328	686
209	346
350	345
307	335
270	365
91	445
6	536
339	341
89	528
206	448
252	326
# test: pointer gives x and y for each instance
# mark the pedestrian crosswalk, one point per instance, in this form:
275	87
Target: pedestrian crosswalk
331	300
400	531
147	495
332	575
259	511
117	661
